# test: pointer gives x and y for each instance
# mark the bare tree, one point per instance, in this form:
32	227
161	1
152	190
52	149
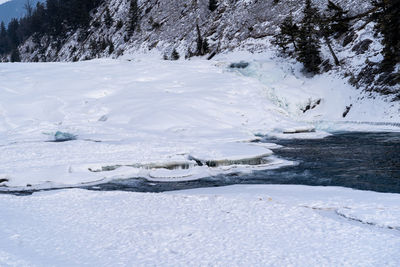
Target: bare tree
28	6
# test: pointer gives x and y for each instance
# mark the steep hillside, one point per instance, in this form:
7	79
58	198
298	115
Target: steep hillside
168	24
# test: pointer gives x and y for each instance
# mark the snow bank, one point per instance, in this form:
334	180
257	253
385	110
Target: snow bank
131	118
239	226
367	207
322	100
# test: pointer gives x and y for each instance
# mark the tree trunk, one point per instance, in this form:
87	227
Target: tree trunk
200	49
328	42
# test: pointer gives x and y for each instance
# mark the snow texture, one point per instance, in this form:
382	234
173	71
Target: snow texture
240	226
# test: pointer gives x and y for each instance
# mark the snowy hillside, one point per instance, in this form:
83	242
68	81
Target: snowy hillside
168	24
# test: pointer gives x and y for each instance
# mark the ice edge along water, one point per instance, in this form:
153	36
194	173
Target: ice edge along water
137	118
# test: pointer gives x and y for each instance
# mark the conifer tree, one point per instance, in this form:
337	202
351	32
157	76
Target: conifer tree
15	57
206	46
388	23
12	34
175	55
111	47
133	17
108	20
309	43
288	34
335	19
200	50
3	39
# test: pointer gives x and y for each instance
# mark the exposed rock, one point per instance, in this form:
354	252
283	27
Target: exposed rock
350	37
347	110
361	47
311	105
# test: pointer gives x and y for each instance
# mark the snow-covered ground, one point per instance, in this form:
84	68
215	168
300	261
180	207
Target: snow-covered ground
181	120
267	225
158	119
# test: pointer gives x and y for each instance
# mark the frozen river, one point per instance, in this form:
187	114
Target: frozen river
367	161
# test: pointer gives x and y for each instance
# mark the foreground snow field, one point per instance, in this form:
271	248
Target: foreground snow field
158	119
266	225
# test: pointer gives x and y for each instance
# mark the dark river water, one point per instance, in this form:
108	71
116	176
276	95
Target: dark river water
367	161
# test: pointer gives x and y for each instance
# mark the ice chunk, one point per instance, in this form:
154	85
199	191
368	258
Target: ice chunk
63	137
239	65
230	154
305	129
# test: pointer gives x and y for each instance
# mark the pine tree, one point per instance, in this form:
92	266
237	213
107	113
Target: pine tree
175	55
206	46
288	34
200	51
3	39
15	57
110	47
108	20
133	17
212	5
388	23
335	19
309	43
12	34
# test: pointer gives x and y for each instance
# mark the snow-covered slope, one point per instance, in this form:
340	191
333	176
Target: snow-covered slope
327	100
4	1
163	120
236	226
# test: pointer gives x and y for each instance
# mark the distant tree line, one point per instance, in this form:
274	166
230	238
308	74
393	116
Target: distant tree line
54	18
